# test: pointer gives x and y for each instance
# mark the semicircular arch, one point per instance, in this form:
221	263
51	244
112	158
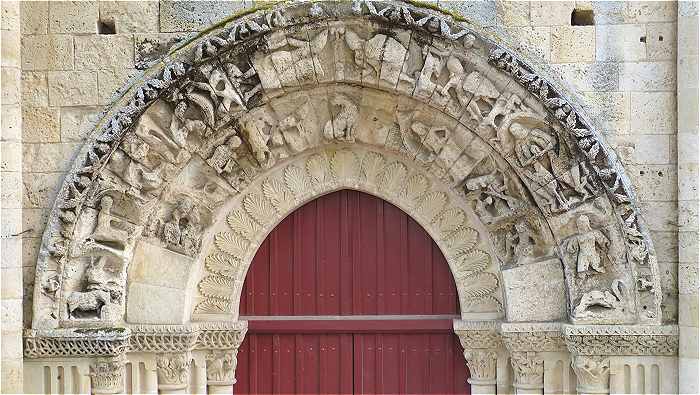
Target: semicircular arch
261	91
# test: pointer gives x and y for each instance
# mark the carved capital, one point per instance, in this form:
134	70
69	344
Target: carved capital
482	366
528	370
107	375
221	367
173	370
592	374
477	334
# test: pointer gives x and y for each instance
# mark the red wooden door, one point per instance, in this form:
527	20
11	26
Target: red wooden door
353	255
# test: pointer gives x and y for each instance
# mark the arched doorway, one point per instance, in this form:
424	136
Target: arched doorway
348	294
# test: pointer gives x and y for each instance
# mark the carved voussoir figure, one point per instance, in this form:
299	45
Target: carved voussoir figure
344	117
107	237
590	248
593	304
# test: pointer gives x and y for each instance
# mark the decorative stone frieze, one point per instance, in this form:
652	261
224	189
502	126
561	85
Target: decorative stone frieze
592	374
532	336
76	342
107	375
621	340
139	338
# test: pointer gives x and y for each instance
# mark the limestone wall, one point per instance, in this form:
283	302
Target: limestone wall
76	55
623	68
10	200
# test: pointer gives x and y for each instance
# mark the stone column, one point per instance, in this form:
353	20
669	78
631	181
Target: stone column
11	200
221	371
107	376
592	374
528	372
174	372
482	371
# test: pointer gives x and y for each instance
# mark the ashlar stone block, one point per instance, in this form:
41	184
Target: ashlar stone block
648	76
526	286
573	44
586	77
187	15
72	88
653	112
77	122
113	51
40	124
35	89
620	43
661	41
73	17
551	13
131	16
34	17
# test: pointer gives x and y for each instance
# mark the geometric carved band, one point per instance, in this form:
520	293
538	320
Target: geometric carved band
579	339
80	342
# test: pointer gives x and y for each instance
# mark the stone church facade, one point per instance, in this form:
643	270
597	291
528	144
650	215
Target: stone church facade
549	149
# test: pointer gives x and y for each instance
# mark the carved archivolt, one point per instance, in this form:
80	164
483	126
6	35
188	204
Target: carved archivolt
252	119
308	176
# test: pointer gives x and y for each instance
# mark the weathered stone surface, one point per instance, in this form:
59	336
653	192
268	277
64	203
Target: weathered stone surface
533	39
529	285
661	41
113	51
513	13
654	182
40	124
40	189
186	16
598	76
154	265
11	80
35	89
481	12
72	88
33	221
150	47
35	17
573	44
648	76
141	309
621	42
47	52
11	122
48	157
643	148
11	192
112	83
10	50
130	16
610	110
551	13
653	112
73	17
11	159
76	122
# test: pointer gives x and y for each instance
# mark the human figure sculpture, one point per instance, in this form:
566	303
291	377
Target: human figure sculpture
586	245
342	124
104	233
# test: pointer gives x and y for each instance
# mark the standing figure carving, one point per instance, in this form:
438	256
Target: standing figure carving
106	237
587	246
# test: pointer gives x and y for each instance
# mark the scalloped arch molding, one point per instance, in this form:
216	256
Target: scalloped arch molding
169	199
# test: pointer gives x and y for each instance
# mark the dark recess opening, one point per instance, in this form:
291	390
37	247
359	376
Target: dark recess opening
581	17
106	27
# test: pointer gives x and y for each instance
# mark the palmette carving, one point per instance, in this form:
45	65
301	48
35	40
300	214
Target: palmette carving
482	366
107	375
319	172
